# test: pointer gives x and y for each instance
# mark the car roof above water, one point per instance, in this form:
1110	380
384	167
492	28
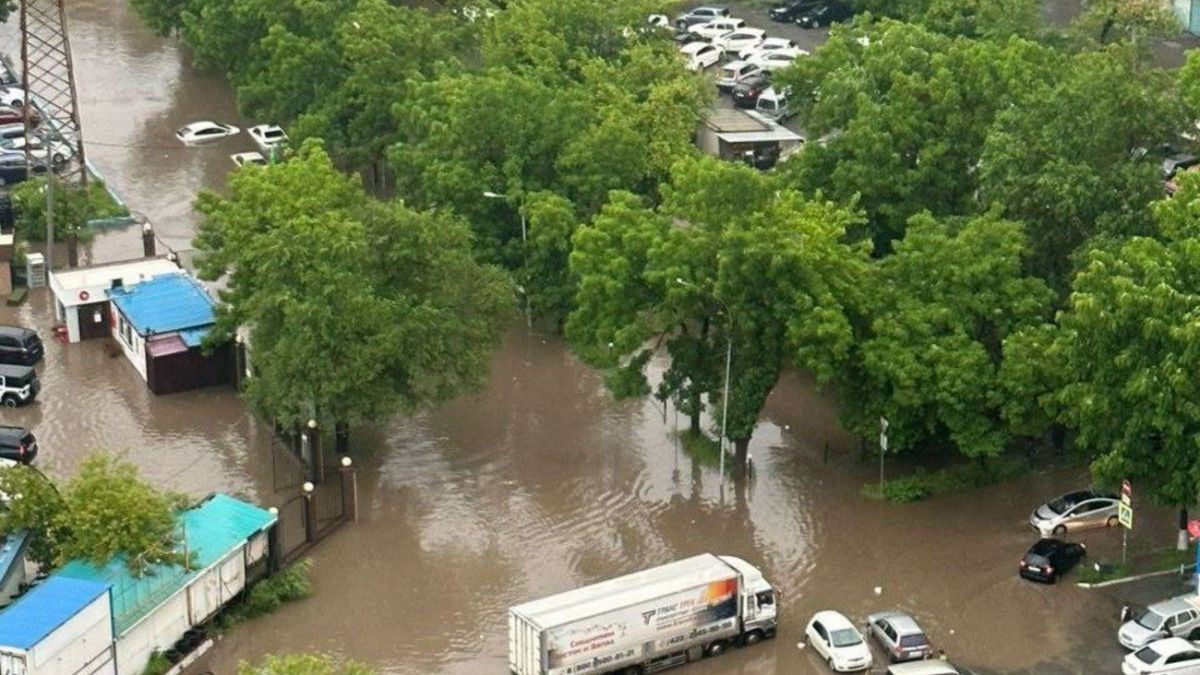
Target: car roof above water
15	371
17	331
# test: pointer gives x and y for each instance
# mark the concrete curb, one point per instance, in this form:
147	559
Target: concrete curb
1137	577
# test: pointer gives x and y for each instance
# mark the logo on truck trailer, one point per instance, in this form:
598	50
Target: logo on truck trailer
573	648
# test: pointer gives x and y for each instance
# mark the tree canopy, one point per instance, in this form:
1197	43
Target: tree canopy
105	510
354	307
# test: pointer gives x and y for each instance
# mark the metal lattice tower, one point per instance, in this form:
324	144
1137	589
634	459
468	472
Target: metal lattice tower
48	78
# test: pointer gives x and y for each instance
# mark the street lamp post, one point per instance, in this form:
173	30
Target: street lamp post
728	364
524	255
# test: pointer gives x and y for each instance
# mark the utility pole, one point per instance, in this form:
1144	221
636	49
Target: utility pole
48	78
883	448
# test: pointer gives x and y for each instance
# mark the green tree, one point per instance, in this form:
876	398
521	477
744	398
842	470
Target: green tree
104	511
902	114
729	257
1105	21
304	664
354	307
940	309
1068	158
1128	344
969	18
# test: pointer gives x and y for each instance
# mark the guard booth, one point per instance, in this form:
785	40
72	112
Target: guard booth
81	294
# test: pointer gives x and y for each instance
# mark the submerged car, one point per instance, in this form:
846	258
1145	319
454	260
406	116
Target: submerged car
244	158
1048	559
838	642
900	636
205	131
267	136
1077	510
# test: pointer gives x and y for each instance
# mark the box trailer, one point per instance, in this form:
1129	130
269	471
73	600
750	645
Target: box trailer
61	627
644	622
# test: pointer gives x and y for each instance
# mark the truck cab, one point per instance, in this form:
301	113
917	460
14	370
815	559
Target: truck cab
760	601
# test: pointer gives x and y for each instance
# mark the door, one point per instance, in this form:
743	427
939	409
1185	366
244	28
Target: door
819	638
93	320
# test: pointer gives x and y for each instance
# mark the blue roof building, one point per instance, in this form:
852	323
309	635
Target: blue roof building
44	609
161	325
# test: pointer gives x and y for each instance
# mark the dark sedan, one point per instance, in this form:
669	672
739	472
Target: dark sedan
746	92
789	11
1049	559
824	15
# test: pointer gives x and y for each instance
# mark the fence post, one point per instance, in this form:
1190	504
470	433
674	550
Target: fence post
310	513
317	470
349	489
239	362
274	552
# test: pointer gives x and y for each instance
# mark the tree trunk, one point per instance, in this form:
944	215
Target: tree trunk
741	450
72	248
1182	543
695	416
341	433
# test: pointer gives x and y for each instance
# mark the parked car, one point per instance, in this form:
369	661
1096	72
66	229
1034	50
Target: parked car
1049	559
17	444
18	385
59	152
205	131
244	158
824	15
742	38
734	72
787	12
716	28
658	21
900	636
20	346
1170	656
745	93
773	103
1181	160
930	667
700	55
1175	617
267	136
1075	511
13	169
14	115
16	130
777	59
12	96
837	641
767	45
701	15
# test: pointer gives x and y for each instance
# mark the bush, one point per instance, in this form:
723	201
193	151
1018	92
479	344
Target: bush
267	595
158	664
1088	574
701	448
922	484
72	208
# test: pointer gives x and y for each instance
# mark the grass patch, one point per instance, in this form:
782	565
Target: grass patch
923	484
1088	574
1172	558
158	664
701	448
267	595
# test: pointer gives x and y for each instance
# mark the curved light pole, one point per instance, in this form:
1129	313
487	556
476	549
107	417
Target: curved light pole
488	194
728	363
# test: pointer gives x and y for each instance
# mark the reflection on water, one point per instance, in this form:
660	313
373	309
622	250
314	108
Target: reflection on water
539	482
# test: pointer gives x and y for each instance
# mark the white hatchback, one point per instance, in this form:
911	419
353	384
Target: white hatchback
1172	656
837	641
700	55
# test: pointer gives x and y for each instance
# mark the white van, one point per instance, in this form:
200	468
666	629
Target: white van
774	104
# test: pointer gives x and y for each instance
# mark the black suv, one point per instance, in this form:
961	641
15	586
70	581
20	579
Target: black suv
1049	559
787	12
20	346
17	444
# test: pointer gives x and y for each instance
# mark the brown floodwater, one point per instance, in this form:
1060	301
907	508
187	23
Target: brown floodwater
539	482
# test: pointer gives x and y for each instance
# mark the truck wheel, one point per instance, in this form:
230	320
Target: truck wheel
715	649
753	637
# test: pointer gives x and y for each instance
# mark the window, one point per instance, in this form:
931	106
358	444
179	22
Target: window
8	342
766	599
1183	657
846	637
889	631
126	332
820	630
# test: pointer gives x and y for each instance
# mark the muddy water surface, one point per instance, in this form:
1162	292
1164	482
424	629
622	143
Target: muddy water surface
540	482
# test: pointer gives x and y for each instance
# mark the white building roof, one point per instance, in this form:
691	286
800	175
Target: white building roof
96	279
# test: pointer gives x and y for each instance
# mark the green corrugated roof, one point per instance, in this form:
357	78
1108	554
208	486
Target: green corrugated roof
212	529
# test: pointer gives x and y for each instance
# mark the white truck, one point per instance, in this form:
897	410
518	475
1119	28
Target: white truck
644	622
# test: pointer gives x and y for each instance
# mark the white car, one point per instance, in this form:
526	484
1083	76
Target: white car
59	152
1172	656
716	28
205	131
12	96
734	73
777	59
838	642
267	136
767	45
659	21
244	158
740	39
700	55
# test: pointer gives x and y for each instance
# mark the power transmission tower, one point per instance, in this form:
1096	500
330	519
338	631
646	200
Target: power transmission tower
48	78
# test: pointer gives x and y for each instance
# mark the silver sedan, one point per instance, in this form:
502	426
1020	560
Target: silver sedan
1075	511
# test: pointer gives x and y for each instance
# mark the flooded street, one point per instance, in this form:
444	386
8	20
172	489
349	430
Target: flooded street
540	482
